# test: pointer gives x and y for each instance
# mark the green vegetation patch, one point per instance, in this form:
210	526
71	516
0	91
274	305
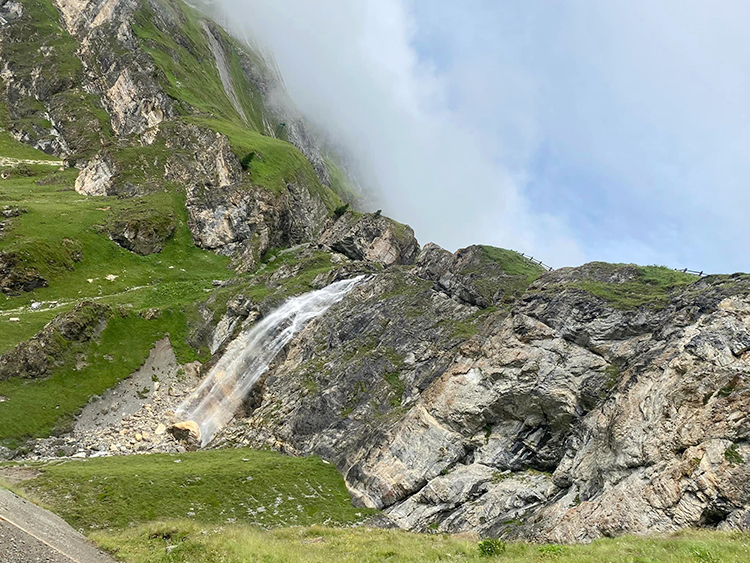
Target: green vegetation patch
210	487
36	408
190	543
512	262
500	276
651	287
62	236
271	163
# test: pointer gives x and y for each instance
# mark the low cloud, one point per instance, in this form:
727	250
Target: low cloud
571	130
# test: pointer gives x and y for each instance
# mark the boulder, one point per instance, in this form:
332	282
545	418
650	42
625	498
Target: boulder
187	432
97	178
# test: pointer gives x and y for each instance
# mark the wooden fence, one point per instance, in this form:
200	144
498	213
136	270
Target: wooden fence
700	274
535	261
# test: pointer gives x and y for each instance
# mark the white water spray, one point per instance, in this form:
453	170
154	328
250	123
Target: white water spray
247	357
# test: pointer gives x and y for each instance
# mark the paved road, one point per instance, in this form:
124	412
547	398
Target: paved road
30	534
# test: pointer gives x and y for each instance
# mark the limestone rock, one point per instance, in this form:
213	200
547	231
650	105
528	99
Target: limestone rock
371	237
187	432
97	178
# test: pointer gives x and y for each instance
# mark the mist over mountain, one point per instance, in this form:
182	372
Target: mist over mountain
614	133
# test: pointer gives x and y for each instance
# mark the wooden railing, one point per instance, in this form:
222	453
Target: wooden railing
700	273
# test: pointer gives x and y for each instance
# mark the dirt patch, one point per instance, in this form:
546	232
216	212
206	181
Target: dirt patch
15	474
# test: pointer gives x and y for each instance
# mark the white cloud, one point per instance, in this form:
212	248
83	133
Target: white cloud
353	68
574	130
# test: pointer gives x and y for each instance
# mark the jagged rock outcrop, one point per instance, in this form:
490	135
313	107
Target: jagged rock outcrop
143	231
97	177
477	275
566	417
33	358
371	237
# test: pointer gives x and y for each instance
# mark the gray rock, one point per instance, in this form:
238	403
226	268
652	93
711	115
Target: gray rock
371	237
561	419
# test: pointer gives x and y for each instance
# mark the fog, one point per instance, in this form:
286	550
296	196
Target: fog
570	130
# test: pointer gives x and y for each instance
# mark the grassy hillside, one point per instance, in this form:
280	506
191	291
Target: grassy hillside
190	76
239	544
651	286
238	505
207	487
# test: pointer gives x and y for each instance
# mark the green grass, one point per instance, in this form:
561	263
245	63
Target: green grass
58	214
239	544
502	275
271	163
190	76
34	408
512	262
209	487
651	288
59	224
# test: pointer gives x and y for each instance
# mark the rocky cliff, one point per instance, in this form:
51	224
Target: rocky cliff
466	391
149	96
564	415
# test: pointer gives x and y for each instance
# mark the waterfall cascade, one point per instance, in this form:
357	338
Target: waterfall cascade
217	398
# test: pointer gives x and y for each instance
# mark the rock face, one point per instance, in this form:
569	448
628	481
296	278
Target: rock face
371	237
15	277
562	417
33	358
97	178
478	275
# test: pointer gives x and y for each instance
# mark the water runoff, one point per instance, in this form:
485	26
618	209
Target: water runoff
217	398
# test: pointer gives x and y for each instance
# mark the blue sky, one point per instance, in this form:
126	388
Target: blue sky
575	130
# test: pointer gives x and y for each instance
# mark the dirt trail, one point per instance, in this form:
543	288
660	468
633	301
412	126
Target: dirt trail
30	533
8	161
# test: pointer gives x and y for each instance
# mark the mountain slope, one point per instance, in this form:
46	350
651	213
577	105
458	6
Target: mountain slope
158	182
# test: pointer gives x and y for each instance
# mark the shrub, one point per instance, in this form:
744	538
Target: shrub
340	210
490	548
732	455
247	159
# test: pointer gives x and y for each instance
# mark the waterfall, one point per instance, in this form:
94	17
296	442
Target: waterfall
216	399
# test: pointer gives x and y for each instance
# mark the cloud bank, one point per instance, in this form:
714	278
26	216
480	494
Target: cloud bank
573	130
